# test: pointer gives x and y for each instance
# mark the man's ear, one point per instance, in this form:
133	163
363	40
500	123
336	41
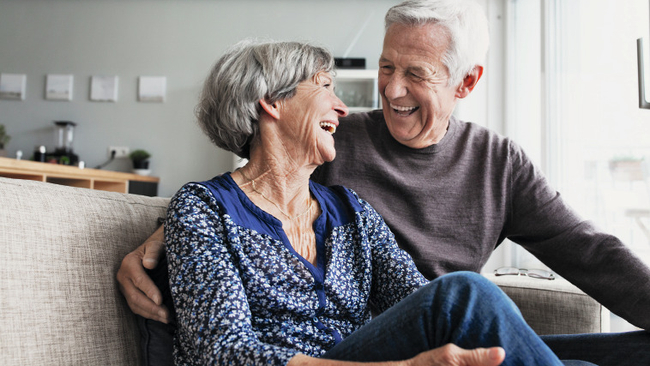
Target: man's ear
270	108
469	82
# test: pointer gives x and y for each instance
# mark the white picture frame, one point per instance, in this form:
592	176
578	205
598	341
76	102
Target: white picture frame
103	88
12	86
59	87
152	89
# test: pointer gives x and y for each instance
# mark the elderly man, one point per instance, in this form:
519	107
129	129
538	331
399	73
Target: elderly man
452	191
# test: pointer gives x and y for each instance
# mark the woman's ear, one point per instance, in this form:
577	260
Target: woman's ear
270	108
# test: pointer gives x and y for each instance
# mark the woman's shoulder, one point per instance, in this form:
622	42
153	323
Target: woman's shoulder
337	195
342	201
218	185
217	191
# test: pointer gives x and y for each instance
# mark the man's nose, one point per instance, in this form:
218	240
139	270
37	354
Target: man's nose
395	88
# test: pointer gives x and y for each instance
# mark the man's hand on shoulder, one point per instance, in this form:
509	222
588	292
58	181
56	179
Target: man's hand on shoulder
142	295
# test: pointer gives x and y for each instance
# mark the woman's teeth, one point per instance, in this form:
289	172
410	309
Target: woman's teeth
328	126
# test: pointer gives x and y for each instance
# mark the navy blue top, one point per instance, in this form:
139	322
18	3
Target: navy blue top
244	296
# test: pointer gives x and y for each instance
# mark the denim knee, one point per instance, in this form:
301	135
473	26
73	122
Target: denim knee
471	287
466	278
463	278
464	281
462	308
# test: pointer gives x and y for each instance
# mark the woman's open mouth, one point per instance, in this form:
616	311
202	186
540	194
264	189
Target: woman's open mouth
328	126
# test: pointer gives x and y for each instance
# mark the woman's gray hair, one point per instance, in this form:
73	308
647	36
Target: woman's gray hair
465	22
229	108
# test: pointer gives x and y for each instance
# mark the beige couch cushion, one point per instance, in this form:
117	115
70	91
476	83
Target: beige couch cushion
554	307
60	248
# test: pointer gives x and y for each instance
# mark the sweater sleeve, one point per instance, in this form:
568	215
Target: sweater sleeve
394	274
598	263
214	319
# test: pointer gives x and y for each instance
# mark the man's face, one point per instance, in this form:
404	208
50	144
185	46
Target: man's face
417	102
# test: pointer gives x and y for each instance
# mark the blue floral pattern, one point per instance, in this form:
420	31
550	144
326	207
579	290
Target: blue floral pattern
243	296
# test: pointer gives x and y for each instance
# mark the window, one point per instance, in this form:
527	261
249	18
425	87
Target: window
573	104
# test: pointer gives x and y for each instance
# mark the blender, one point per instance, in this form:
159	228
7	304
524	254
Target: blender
64	133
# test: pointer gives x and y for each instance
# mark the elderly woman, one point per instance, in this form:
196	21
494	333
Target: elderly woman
269	268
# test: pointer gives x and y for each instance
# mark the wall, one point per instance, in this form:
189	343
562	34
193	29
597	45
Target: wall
176	39
181	40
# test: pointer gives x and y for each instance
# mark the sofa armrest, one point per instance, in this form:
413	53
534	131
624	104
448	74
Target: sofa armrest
554	306
60	248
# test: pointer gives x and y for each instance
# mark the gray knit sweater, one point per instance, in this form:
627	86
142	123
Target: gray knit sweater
452	203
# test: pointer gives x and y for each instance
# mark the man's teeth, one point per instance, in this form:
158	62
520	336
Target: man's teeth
403	109
328	126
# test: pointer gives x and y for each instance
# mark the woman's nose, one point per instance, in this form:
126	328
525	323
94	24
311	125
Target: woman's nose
340	107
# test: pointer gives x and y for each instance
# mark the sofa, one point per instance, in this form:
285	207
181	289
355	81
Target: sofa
60	248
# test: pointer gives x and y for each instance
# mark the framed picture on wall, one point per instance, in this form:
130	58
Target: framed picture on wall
103	88
58	87
12	86
152	89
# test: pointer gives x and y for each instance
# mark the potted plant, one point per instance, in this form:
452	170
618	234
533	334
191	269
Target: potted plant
140	159
4	139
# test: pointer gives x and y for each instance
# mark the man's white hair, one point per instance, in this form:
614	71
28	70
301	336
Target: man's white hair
465	22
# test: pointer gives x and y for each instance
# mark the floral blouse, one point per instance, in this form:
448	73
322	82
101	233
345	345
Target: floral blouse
243	296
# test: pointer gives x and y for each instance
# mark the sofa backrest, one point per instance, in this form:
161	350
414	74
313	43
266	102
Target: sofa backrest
60	248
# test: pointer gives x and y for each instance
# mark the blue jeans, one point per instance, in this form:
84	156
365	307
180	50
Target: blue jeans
462	308
605	349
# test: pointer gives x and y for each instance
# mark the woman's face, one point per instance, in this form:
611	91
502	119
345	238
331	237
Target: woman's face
309	119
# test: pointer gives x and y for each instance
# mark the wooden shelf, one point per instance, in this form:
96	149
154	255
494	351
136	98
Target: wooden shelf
104	180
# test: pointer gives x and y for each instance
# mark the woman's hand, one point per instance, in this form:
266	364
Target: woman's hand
452	355
447	355
142	295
